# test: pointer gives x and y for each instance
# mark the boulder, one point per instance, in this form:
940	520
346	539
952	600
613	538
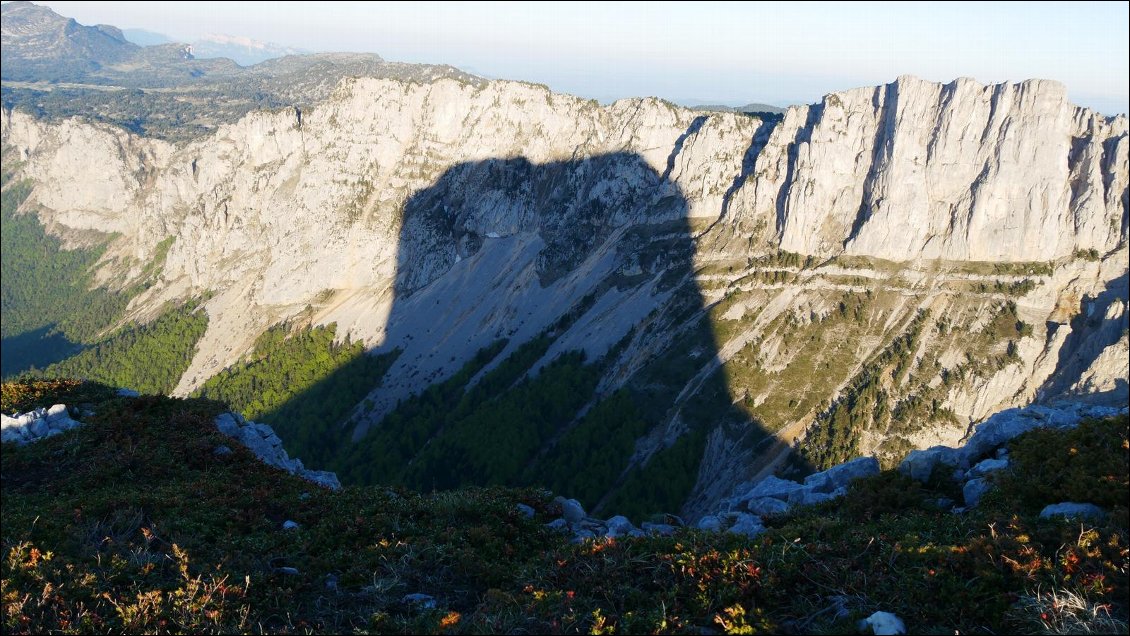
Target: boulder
974	489
768	506
290	525
222	450
674	520
1000	428
661	529
746	524
525	510
618	526
8	422
261	447
882	624
596	525
842	475
558	524
1072	509
920	464
127	393
571	509
323	478
988	466
808	497
583	535
38	428
772	486
709	522
56	412
264	431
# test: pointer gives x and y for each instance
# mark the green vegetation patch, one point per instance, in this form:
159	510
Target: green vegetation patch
664	482
148	358
48	300
589	457
1087	464
834	436
50	304
453	435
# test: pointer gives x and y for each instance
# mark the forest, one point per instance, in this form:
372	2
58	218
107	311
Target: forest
507	425
303	383
148	358
49	304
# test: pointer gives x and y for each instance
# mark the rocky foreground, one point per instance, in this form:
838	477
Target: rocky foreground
147	517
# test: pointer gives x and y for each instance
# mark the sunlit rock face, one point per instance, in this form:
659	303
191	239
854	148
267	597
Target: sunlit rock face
960	171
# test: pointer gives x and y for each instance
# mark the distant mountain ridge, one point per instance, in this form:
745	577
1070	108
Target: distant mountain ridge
38	43
57	68
242	50
754	107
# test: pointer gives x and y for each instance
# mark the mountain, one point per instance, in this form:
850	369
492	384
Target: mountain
57	68
38	43
142	37
242	50
427	279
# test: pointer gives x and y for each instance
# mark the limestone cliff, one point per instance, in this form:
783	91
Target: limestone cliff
961	171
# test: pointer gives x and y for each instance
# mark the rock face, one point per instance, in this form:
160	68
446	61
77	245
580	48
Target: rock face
261	440
954	171
901	213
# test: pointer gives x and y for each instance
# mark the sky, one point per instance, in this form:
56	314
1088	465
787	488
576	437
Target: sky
703	52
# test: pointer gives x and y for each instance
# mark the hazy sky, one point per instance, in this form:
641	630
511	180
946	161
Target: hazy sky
717	52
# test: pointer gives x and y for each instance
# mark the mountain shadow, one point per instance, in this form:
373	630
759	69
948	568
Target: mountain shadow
35	349
549	331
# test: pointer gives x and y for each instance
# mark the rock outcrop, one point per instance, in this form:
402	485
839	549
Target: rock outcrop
994	433
261	440
983	453
32	426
